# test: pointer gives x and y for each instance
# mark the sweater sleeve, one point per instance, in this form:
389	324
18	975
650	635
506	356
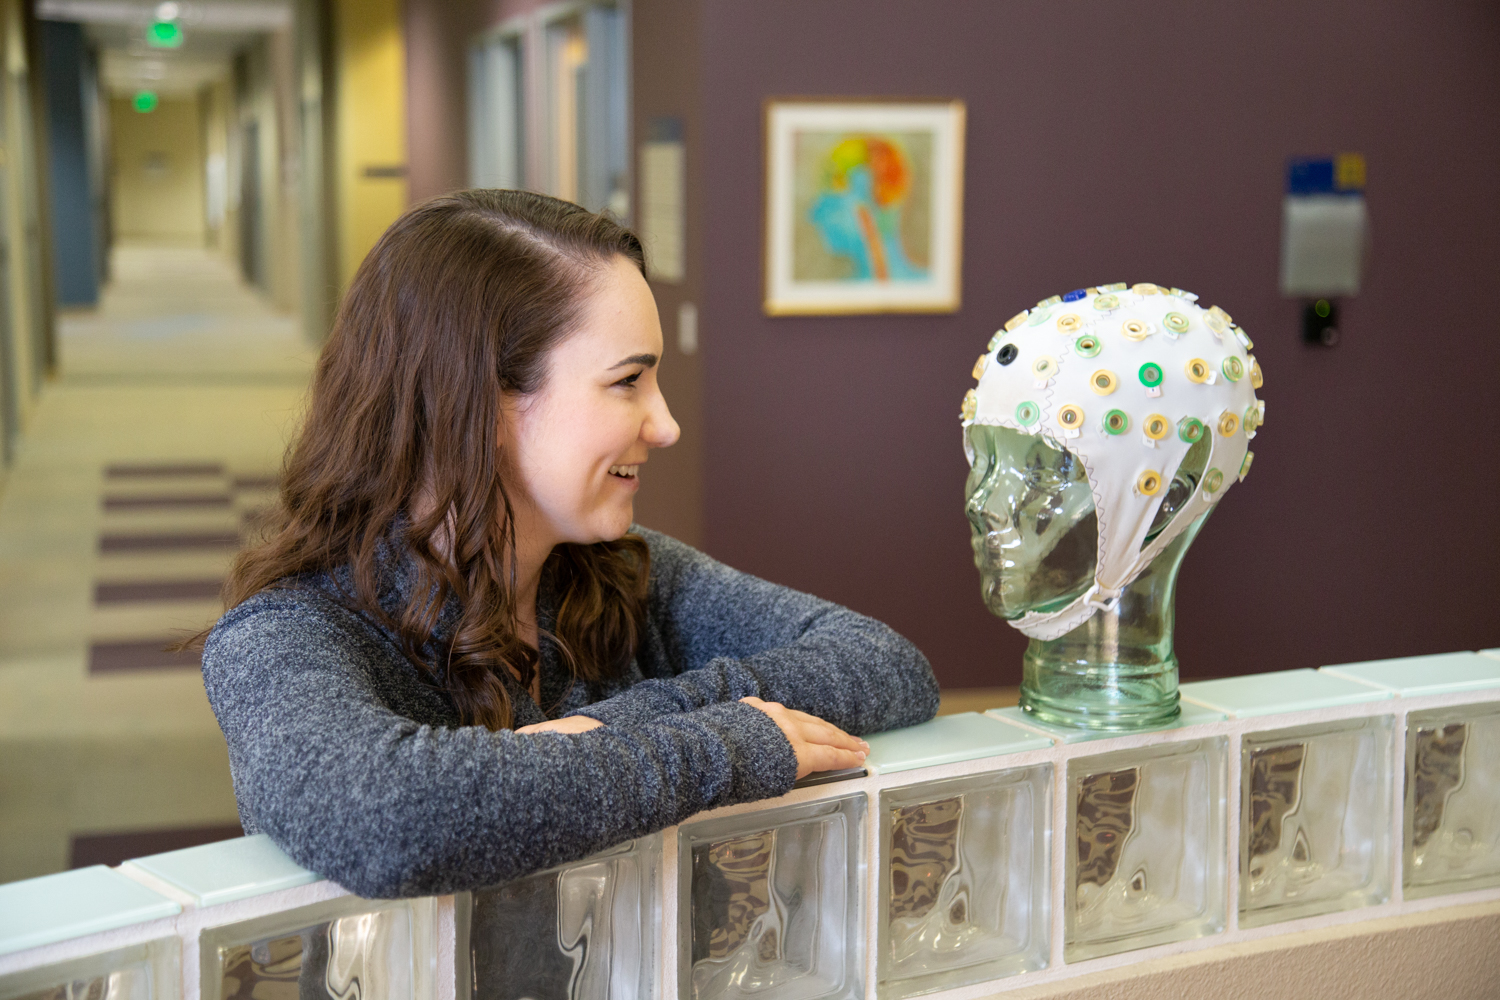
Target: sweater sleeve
725	635
388	807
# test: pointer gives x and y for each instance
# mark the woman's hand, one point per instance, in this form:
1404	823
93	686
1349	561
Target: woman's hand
571	724
819	745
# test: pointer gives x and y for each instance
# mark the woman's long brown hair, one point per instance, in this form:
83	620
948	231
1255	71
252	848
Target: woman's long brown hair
460	301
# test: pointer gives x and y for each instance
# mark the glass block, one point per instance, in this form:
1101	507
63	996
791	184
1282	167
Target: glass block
1452	800
772	903
149	971
1315	819
579	931
1145	863
341	949
964	894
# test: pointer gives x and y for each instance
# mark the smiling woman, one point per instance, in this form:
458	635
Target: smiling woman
453	659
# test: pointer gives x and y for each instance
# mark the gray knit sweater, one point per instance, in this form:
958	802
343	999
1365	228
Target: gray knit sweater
362	772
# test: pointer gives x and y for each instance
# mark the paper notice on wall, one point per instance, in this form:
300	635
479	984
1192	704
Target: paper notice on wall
1323	241
687	328
1325	227
663	198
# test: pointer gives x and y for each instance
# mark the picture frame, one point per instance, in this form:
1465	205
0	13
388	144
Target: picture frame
864	205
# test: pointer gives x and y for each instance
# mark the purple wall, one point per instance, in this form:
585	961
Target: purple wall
438	33
1132	142
436	68
665	81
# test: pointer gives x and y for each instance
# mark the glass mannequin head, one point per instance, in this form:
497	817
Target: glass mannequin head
1032	521
1105	427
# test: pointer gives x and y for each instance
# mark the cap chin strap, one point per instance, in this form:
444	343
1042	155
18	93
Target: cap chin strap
1056	624
1121	556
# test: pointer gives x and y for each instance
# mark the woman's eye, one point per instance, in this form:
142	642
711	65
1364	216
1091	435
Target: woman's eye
629	380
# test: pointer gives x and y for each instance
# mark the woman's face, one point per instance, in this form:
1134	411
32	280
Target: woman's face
574	449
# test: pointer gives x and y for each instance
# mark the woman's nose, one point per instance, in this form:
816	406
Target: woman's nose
660	430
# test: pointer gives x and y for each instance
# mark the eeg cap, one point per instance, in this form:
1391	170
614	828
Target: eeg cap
1127	379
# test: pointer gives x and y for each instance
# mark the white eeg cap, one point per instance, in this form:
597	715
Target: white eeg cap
1127	379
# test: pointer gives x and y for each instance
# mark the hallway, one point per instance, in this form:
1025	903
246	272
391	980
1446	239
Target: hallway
133	485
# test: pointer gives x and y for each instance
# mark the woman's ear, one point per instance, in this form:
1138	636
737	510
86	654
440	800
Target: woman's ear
503	422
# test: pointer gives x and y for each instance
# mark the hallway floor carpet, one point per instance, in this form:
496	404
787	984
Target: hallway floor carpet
139	470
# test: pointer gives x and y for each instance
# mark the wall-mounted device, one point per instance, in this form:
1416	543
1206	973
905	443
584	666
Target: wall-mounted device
1325	234
1320	322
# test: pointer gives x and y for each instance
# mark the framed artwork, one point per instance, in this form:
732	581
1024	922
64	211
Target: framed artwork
863	206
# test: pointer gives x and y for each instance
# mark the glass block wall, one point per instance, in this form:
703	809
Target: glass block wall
770	903
963	890
586	929
1452	814
1145	841
341	949
974	850
1315	818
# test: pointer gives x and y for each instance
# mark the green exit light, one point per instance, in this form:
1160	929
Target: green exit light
145	102
164	35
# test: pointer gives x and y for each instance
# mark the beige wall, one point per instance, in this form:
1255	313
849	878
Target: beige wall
16	151
214	108
371	125
286	290
1452	953
156	173
268	102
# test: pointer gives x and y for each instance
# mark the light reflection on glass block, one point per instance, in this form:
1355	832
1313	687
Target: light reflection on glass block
355	953
113	986
344	949
964	895
772	903
1315	819
1452	800
119	977
124	985
1146	847
580	931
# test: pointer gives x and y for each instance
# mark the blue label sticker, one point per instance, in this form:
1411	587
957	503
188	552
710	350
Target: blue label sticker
1344	174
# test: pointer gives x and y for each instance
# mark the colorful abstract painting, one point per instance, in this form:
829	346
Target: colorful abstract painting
863	205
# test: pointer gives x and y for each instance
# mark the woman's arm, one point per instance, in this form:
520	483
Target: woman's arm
717	635
387	807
